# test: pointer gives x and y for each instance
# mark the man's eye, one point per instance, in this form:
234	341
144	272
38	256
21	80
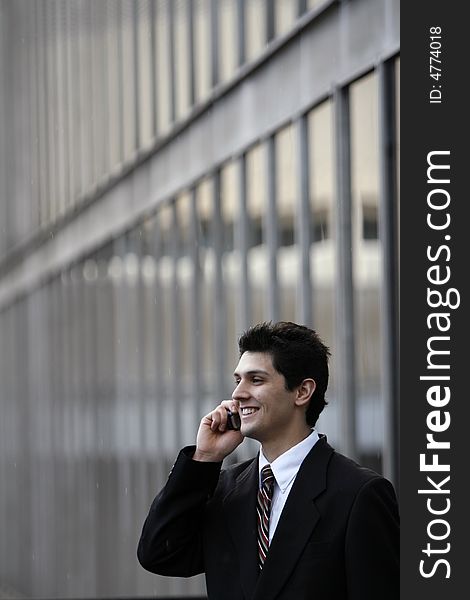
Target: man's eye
257	380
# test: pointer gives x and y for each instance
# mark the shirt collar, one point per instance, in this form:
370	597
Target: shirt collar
285	467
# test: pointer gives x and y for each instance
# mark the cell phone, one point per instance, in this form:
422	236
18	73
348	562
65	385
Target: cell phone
233	420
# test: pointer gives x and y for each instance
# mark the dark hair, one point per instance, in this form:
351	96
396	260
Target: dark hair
297	353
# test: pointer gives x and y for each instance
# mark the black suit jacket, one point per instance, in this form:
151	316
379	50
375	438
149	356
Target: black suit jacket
337	538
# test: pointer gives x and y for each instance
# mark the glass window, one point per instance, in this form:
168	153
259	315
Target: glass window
286	173
84	104
366	260
62	106
145	73
321	172
165	274
255	28
128	91
132	338
202	48
98	89
285	15
163	66
286	191
105	344
228	38
155	394
184	287
182	57
116	273
43	191
256	201
52	109
150	312
113	113
206	267
231	275
322	239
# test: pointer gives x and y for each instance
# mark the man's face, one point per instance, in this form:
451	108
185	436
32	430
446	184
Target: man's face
266	407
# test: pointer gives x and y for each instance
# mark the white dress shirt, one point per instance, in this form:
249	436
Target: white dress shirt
285	469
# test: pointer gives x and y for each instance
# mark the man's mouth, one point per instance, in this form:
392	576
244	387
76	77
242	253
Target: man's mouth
248	410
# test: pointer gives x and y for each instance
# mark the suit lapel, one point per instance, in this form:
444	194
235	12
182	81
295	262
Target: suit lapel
240	508
297	522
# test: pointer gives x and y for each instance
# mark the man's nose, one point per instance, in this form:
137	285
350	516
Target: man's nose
240	392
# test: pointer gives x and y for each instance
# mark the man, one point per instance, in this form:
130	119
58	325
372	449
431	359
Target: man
329	531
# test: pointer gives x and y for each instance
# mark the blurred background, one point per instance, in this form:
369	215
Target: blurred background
172	172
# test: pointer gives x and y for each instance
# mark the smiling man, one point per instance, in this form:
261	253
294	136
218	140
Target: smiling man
297	521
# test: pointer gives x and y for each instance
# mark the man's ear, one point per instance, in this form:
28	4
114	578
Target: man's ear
305	391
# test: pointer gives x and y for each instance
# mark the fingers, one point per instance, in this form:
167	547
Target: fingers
217	419
214	439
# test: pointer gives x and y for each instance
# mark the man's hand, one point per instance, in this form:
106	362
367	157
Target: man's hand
214	441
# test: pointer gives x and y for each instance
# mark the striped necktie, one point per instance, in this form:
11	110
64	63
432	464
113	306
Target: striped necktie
263	508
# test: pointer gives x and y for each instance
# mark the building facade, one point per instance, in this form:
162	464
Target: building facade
170	173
